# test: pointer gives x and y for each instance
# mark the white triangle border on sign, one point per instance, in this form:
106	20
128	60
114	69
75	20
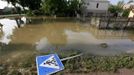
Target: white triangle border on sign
50	65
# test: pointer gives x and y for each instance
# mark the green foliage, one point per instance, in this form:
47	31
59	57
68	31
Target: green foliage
50	7
15	72
31	4
115	9
126	13
30	13
61	7
83	64
73	7
53	7
13	2
120	4
96	63
34	13
3	72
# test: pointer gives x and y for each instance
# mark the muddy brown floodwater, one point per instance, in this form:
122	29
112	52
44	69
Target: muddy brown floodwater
59	35
50	35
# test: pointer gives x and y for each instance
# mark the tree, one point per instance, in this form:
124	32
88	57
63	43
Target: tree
115	9
120	4
50	7
54	7
126	13
74	7
31	4
23	3
13	2
61	7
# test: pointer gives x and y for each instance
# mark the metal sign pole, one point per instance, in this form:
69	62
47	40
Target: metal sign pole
72	57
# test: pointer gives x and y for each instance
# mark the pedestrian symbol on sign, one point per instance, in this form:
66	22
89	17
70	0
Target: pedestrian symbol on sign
48	64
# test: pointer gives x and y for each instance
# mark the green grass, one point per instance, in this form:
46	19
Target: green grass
99	63
83	64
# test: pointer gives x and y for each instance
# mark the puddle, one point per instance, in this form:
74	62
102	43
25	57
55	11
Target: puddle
87	43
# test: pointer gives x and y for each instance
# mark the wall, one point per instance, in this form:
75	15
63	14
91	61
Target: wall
96	6
126	6
131	14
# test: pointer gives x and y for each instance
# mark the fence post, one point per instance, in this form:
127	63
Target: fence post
108	22
127	24
100	24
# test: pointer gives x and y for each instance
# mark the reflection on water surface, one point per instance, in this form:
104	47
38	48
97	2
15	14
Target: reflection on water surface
63	35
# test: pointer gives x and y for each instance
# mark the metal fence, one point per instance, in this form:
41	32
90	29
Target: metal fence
112	22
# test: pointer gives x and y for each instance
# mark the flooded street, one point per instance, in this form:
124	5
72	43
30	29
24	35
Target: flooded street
55	35
67	37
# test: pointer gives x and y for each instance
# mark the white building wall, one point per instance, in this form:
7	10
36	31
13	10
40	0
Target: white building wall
131	14
96	6
126	6
101	6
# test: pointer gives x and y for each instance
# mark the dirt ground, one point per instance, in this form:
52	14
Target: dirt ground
120	72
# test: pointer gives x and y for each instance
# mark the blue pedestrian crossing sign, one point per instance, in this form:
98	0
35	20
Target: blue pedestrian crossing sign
48	64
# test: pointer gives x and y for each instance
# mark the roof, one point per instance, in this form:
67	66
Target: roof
129	5
133	11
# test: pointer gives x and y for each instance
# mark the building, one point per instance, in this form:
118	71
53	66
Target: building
131	14
96	7
130	6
